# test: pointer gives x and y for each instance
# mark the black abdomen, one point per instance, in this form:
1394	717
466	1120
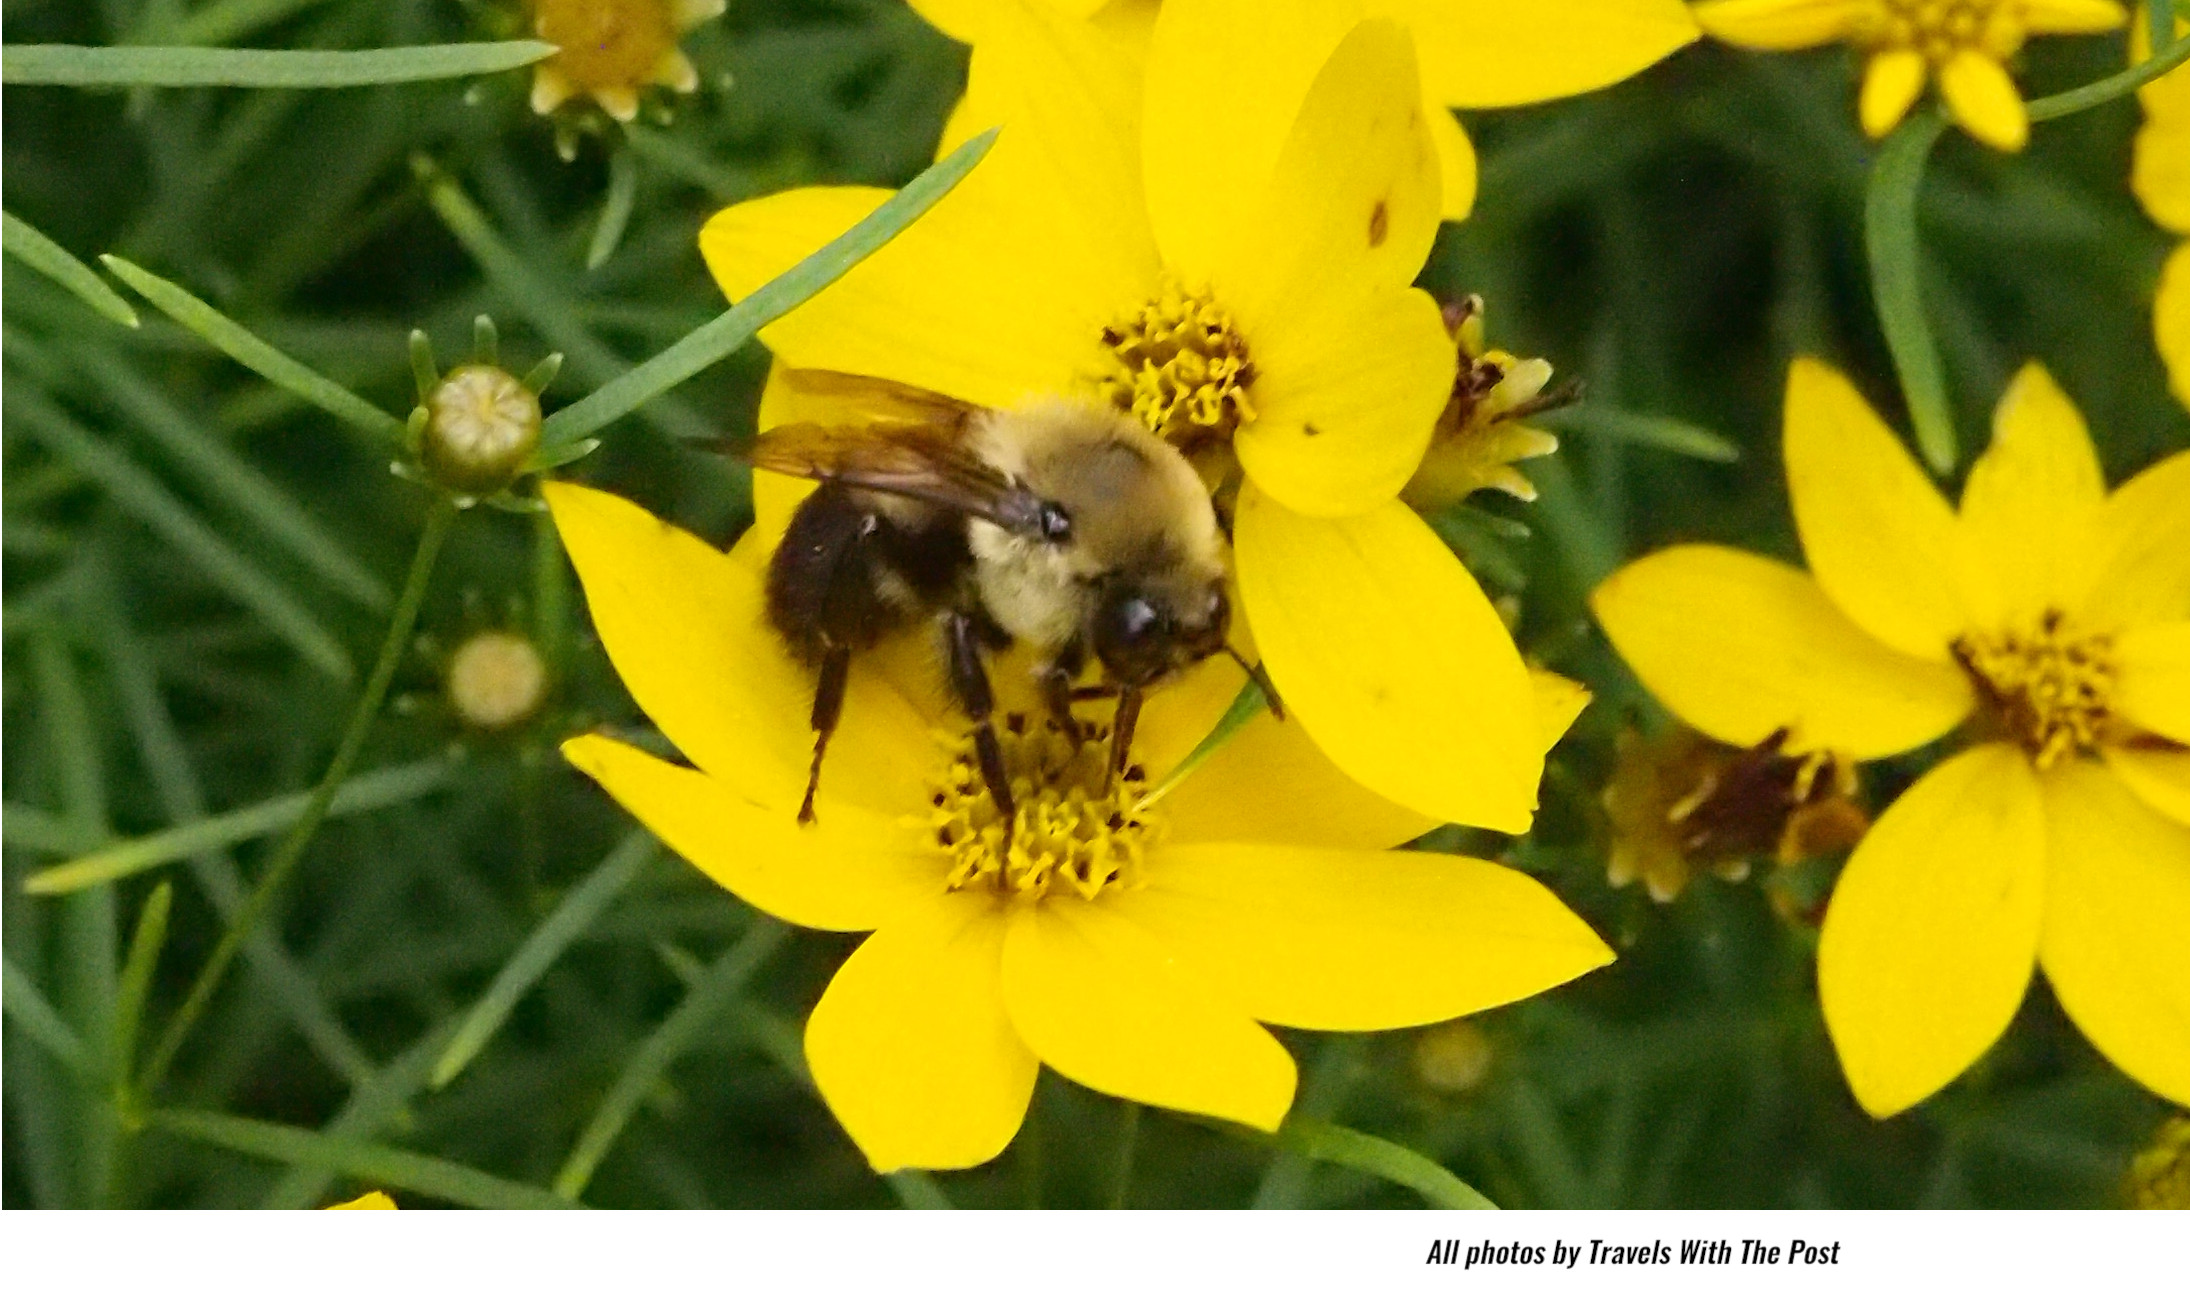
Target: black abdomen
849	573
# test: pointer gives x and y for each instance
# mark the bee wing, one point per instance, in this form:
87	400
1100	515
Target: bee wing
918	461
828	395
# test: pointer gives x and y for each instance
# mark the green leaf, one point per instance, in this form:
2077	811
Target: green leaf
1341	1146
143	961
702	1007
379	1100
555	934
1247	704
156	507
256	354
28	1009
376	1164
735	327
368	792
152	65
623	191
1896	253
27	245
1656	431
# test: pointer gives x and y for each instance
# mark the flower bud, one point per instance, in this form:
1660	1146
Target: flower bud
1453	1057
496	679
2160	1175
482	426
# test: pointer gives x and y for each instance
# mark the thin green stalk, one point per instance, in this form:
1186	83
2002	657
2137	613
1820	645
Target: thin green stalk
374	791
374	1103
1129	1143
735	327
1397	1163
623	192
1247	704
701	1008
145	945
531	961
2166	60
378	1164
28	1008
184	65
1896	253
438	522
27	245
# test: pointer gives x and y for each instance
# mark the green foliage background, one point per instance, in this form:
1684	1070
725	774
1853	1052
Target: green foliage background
1671	241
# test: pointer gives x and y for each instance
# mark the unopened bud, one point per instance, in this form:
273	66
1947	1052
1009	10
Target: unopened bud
1453	1056
496	679
2160	1175
482	426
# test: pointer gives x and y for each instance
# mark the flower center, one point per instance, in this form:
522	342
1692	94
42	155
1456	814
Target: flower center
2047	685
1180	367
607	43
1940	29
1070	831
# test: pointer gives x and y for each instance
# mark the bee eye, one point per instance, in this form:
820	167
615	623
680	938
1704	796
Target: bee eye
1056	524
1132	639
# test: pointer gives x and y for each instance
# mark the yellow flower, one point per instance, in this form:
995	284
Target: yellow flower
1131	946
2159	1178
1964	44
2052	616
1475	53
1682	803
2160	175
374	1201
1480	435
1240	280
613	49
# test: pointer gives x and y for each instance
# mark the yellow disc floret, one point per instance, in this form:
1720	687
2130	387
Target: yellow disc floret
611	49
1179	365
2047	685
1073	829
1941	29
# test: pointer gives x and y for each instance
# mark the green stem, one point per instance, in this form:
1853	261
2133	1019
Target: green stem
2114	87
291	850
1129	1143
1896	253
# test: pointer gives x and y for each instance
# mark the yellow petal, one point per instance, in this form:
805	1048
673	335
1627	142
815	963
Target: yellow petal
685	627
1104	1003
374	1201
1271	783
1360	940
551	89
1879	537
1559	703
958	19
2160	776
1347	401
2171	318
1741	646
1352	202
910	1045
849	872
1933	927
1455	161
1891	82
2152	684
2030	511
1984	100
1000	293
1497	54
2117	906
2072	17
2143	568
1206	169
1388	655
1781	24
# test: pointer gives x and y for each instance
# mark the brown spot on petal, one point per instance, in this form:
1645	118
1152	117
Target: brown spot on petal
1380	223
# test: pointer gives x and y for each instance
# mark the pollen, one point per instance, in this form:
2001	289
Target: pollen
1179	365
2046	685
1940	29
1071	831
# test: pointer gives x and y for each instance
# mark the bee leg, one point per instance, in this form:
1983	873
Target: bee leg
970	681
1057	691
1121	733
1093	693
828	707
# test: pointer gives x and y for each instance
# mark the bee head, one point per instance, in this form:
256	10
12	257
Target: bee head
1145	631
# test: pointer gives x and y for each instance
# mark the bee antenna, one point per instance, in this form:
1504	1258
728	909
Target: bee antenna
1262	681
